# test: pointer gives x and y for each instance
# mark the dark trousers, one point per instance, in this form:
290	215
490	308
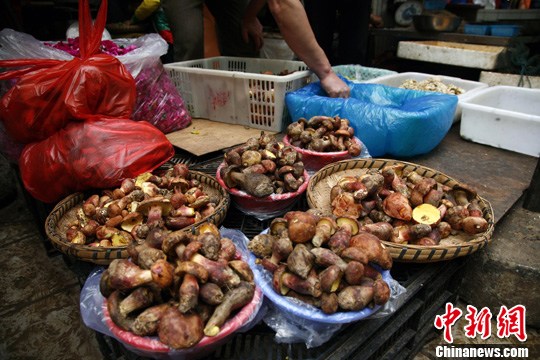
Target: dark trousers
185	18
349	19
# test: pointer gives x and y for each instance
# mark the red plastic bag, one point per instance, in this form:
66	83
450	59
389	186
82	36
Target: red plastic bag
51	93
96	153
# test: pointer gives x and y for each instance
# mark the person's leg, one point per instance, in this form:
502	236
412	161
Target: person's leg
185	19
228	16
353	30
322	18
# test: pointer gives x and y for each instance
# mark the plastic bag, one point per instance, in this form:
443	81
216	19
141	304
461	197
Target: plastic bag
158	99
293	329
295	321
388	120
96	153
93	315
50	92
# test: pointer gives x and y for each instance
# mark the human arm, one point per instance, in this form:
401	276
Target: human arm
294	26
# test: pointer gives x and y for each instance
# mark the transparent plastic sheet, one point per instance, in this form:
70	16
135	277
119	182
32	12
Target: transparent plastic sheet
158	99
388	120
93	154
295	321
149	46
94	315
16	45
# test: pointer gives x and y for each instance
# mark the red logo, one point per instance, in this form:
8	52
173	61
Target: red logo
509	322
479	322
447	320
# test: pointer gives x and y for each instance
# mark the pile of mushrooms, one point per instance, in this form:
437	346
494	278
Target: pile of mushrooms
263	166
178	286
324	134
117	217
404	207
323	261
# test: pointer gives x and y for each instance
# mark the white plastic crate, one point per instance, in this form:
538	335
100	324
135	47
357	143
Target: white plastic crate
506	117
396	80
235	90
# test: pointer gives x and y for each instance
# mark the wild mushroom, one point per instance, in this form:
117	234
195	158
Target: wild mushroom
326	227
155	209
233	299
262	245
174	243
146	323
147	257
150	189
211	245
131	220
209	227
179	330
258	185
139	298
113	306
124	275
278	226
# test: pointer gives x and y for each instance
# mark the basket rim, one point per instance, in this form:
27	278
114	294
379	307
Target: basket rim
465	248
77	197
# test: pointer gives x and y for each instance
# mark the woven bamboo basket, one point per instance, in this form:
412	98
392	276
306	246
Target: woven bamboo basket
318	197
65	211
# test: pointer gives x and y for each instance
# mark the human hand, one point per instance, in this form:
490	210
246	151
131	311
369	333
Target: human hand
335	87
252	28
376	21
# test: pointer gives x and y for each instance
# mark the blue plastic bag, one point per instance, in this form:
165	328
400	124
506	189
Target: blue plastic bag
388	120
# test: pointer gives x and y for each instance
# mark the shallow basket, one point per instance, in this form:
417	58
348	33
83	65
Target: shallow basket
318	196
65	211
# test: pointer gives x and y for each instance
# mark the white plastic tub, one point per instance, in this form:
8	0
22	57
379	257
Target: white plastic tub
506	117
485	57
396	80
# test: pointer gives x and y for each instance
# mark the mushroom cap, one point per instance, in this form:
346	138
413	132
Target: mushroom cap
146	205
130	220
142	178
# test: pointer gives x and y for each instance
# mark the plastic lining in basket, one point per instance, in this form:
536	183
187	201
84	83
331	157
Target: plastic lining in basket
318	196
65	211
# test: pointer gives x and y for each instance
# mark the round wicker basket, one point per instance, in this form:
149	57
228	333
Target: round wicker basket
65	211
318	196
